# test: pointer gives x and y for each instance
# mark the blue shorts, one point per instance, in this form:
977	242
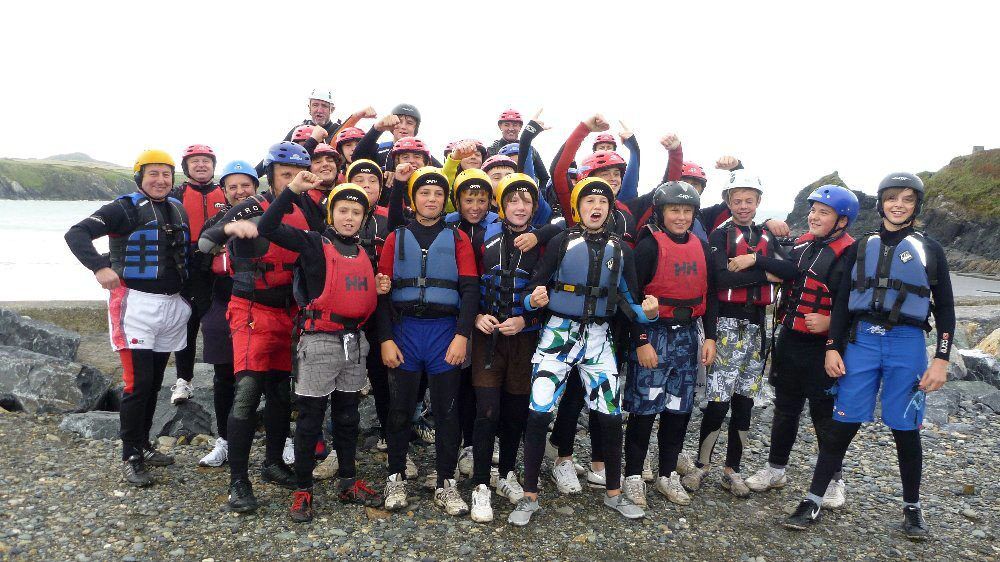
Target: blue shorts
670	385
424	342
894	359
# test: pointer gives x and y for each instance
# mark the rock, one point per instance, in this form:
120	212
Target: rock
979	534
39	383
187	419
374	513
942	404
981	366
991	344
956	364
991	401
201	440
166	442
972	390
92	425
34	335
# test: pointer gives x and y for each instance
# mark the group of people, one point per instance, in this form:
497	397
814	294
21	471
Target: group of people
512	294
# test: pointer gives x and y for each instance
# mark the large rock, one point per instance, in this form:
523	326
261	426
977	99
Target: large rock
991	344
34	335
981	366
991	401
956	364
941	404
92	425
39	383
972	390
196	416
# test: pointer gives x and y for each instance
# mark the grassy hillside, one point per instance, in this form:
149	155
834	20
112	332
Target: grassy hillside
972	181
62	179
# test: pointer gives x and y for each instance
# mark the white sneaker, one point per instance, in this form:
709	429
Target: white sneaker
465	461
836	495
672	489
733	482
482	511
635	489
767	478
449	498
181	391
510	488
218	456
496	454
425	432
623	505
328	468
288	454
647	468
522	513
431	481
382	445
494	476
685	465
411	468
395	493
566	479
597	479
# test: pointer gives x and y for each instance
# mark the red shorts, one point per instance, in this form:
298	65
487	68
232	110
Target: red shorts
262	336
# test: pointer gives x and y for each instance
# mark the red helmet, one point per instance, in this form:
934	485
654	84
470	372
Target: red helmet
510	115
349	134
323	148
302	132
598	161
498	160
410	144
199	150
692	170
605	137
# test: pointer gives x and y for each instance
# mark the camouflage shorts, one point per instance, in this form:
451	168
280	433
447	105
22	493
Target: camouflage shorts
739	365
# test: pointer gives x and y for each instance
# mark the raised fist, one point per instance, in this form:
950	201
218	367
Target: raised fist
304	181
404	170
670	141
651	306
597	123
464	150
625	133
387	123
727	163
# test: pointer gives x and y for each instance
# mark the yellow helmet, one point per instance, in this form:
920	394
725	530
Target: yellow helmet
473	178
589	186
153	157
363	165
428	175
516	182
346	192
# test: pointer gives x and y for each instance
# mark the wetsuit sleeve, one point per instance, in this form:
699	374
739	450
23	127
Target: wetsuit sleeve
468	285
271	227
368	146
840	316
109	219
545	268
638	207
212	237
350	122
675	164
546	233
719	261
709	215
528	134
396	217
565	158
477	249
450	170
711	317
646	254
383	312
543	214
944	303
630	182
774	264
540	172
628	287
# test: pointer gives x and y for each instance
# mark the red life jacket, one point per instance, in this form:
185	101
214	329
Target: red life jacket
681	279
725	215
220	263
810	292
317	195
737	245
200	207
348	298
274	268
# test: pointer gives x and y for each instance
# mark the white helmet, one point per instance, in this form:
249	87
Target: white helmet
321	95
742	179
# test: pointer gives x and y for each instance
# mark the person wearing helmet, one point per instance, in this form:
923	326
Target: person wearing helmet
324	161
472	197
797	371
261	313
336	290
498	167
527	166
149	237
747	265
238	181
320	107
510	124
424	327
402	122
591	275
347	140
459	157
876	338
605	142
671	265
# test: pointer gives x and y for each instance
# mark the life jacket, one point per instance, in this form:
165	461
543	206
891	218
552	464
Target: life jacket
622	223
373	232
698	229
274	267
893	282
348	298
810	293
680	283
454	219
504	279
142	253
318	195
738	245
221	264
585	285
201	207
425	279
721	218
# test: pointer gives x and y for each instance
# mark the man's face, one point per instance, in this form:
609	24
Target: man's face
510	130
603	146
319	111
347	149
743	205
594	211
347	217
415	158
428	201
283	175
157	180
613	177
371	183
407	127
518	209
200	168
678	218
238	187
498	173
473	205
324	166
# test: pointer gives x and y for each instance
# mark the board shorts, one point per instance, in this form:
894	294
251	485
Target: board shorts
138	320
262	336
670	385
329	362
797	365
565	344
739	364
424	343
511	361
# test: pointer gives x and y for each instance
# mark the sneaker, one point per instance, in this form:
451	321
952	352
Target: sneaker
625	506
424	431
566	479
685	465
836	495
431	481
288	454
914	526
733	482
395	493
328	468
510	488
181	391
768	478
495	460
494	476
134	472
522	512
382	445
647	469
152	457
279	474
465	461
411	469
361	493
804	515
482	511
301	510
218	456
635	489
597	479
693	480
552	453
673	489
449	498
241	498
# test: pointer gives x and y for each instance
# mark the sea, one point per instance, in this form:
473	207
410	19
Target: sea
36	264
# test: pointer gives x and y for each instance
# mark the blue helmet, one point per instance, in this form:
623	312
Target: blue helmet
239	167
509	149
288	153
843	200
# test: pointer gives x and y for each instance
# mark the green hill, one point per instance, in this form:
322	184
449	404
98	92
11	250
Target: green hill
971	181
64	177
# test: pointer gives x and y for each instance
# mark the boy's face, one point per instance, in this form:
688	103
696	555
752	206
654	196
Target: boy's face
406	127
428	201
498	173
678	218
898	205
324	166
283	175
603	146
238	187
594	211
472	162
371	183
347	217
823	219
347	149
473	205
200	168
613	177
696	183
743	204
415	158
518	208
510	130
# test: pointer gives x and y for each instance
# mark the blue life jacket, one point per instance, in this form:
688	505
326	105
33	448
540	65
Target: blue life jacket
454	218
893	283
425	279
156	240
698	229
502	288
585	285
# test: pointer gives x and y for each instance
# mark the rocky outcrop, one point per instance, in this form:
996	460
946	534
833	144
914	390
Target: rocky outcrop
92	425
34	335
39	383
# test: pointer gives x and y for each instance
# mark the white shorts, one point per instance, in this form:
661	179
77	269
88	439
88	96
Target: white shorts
138	320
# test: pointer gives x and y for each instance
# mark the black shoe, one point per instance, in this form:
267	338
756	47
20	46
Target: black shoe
241	498
914	526
278	473
301	510
152	457
804	515
134	472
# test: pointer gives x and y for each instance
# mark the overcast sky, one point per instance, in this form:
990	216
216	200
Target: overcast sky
796	90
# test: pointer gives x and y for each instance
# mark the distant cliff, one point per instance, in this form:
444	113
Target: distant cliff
63	177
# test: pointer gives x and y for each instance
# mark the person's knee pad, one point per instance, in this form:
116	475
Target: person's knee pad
246	398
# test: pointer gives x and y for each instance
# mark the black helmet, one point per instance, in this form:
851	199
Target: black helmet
903	180
407	109
674	193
